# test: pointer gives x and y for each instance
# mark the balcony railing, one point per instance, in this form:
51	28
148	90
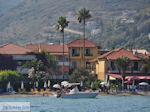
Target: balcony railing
88	54
73	55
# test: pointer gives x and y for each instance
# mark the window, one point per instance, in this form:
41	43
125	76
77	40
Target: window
112	65
74	64
88	52
87	65
60	58
136	65
74	52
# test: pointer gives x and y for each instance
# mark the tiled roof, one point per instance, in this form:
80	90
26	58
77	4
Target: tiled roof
117	53
54	49
13	49
79	43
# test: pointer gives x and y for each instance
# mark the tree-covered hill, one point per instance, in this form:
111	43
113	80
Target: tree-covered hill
118	23
6	5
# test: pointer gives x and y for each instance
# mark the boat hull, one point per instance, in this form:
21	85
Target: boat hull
80	95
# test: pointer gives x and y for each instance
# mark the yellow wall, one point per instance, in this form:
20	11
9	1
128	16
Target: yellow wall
79	59
101	69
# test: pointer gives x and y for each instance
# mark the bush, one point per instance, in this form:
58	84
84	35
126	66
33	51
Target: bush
12	76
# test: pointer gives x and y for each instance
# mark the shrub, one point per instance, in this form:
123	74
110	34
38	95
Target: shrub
12	76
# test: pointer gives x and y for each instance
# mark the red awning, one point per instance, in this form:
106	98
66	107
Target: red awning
129	77
115	76
137	77
128	81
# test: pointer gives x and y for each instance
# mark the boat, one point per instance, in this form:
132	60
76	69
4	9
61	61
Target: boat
80	95
74	93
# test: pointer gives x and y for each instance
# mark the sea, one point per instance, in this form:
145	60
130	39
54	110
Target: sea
99	104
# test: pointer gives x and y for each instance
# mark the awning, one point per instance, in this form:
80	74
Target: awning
128	81
115	76
137	77
130	77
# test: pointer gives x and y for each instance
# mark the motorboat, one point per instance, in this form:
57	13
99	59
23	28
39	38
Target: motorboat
80	95
75	93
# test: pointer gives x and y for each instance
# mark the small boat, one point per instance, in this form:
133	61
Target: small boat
80	95
74	93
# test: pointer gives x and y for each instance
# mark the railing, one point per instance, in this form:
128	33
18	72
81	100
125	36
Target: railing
88	54
73	55
65	63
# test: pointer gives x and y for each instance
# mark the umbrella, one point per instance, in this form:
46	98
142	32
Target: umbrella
81	84
8	86
92	85
22	85
37	84
56	86
45	85
103	83
143	84
64	83
48	83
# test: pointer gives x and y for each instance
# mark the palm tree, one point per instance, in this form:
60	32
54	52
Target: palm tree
122	64
83	15
61	25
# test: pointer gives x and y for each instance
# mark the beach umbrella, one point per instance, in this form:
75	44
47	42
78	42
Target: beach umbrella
56	86
143	84
67	84
48	83
64	83
81	84
92	85
8	86
22	85
103	83
37	84
45	85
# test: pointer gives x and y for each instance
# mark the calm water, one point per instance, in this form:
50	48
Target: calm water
100	104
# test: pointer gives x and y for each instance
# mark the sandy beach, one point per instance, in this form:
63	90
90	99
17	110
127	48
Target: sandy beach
39	94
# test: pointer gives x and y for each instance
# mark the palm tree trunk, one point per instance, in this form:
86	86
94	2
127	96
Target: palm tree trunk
63	56
84	43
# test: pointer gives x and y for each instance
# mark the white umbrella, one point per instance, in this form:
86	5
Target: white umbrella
48	83
56	86
103	83
64	83
45	85
8	86
92	85
143	84
81	84
67	84
37	84
22	85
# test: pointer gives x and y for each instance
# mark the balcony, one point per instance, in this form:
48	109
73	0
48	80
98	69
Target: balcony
74	55
88	54
65	63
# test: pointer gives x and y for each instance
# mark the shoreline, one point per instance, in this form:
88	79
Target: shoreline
53	93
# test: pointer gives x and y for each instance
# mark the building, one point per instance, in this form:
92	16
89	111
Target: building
105	65
55	50
19	54
77	54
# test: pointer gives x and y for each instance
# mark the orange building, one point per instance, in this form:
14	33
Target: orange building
55	50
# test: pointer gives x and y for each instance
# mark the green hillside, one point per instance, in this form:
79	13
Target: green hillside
118	23
6	5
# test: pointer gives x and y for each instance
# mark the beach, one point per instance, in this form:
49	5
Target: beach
40	94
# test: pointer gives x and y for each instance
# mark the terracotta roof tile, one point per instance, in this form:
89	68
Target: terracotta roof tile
79	43
54	49
117	53
13	49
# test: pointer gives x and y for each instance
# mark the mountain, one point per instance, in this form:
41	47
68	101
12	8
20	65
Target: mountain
114	23
6	5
